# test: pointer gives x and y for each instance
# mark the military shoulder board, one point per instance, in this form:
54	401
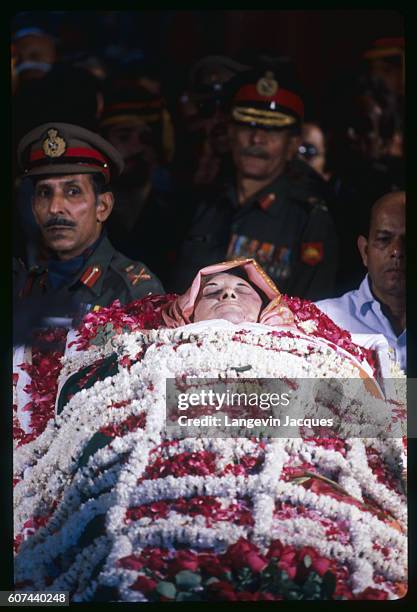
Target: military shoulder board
136	274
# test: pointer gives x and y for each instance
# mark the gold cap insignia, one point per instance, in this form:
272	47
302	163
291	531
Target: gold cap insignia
54	145
267	85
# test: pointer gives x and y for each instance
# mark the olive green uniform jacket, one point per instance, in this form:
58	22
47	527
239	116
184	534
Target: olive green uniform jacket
106	275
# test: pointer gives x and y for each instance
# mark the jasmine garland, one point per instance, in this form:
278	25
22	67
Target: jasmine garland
144	490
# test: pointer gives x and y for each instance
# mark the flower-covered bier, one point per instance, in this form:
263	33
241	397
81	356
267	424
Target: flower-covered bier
110	506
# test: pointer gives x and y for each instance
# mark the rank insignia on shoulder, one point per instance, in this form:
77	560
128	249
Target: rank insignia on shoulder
135	277
267	200
311	253
91	276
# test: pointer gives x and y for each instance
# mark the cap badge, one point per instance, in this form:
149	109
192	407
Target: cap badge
54	145
267	85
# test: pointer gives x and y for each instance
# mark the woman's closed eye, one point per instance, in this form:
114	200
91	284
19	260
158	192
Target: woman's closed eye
211	293
244	289
213	290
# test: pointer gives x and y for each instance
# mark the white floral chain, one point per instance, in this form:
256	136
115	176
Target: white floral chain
89	410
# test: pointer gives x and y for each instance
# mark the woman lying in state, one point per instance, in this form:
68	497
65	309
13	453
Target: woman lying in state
114	503
236	291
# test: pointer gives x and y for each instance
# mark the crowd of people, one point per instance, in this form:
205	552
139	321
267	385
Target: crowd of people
123	190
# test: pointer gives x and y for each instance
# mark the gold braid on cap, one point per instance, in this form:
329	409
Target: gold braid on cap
272	118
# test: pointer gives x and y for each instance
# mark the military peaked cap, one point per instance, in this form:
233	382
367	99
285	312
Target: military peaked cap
263	98
63	148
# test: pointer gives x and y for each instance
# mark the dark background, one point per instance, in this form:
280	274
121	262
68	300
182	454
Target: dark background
324	44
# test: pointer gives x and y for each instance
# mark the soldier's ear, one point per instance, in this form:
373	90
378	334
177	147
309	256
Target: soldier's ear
363	249
104	206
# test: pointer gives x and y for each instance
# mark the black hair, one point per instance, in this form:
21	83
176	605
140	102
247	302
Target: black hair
240	273
99	184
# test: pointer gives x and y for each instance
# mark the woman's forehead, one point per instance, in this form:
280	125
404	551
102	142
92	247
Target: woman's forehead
222	277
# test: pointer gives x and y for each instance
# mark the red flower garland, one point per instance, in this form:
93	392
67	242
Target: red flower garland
44	371
242	573
206	506
326	328
146	314
139	314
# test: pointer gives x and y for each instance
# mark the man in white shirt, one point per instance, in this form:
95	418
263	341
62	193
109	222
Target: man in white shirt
378	306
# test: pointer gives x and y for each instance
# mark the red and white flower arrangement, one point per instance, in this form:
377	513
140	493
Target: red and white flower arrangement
109	505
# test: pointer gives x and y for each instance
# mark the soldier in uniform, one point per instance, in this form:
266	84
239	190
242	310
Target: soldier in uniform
270	209
71	168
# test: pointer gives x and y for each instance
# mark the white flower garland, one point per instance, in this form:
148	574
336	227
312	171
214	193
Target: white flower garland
48	465
22	355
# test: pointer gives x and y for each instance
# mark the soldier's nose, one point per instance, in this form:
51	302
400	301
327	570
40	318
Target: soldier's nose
56	204
257	136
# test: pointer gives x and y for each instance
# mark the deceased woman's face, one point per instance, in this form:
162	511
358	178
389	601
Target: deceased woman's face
229	297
